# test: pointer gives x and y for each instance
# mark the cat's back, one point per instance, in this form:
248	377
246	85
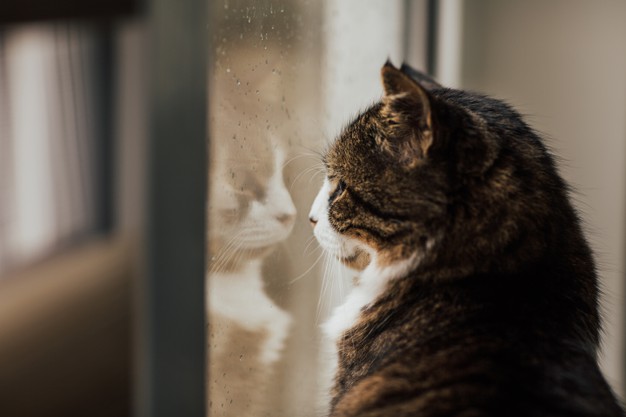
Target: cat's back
447	355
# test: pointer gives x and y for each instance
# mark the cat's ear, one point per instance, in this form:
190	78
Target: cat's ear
397	81
406	116
424	80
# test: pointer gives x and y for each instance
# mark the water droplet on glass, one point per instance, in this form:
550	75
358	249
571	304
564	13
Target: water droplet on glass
257	91
238	82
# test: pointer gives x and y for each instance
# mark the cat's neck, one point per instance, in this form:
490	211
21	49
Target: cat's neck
239	299
248	274
406	284
370	285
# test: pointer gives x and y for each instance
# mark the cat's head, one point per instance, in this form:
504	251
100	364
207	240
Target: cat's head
250	208
439	175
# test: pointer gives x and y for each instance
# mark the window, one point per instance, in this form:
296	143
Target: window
286	76
51	129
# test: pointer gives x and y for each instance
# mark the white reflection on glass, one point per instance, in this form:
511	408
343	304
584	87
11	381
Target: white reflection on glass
251	211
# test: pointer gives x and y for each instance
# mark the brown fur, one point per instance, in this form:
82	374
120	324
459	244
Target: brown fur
500	315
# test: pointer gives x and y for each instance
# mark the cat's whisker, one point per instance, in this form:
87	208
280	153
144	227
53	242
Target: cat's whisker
340	278
224	256
308	270
239	254
227	253
322	171
326	285
220	260
308	151
321	299
299	156
309	243
304	172
313	152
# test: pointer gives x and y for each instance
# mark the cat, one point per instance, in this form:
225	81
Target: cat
477	293
250	213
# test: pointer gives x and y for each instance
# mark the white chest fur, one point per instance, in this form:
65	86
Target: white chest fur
372	285
240	297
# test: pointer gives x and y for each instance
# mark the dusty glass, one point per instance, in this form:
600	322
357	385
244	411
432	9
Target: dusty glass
286	75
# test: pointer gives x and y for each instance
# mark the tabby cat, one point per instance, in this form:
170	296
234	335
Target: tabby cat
478	293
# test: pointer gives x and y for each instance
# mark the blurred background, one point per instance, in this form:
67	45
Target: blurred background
105	111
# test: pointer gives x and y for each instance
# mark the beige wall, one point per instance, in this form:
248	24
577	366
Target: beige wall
563	63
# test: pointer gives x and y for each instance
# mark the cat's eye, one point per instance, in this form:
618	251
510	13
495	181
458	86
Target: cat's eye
337	192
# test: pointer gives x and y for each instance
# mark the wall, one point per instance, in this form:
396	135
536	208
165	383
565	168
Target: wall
563	63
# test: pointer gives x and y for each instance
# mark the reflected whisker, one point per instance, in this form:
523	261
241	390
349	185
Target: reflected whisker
226	254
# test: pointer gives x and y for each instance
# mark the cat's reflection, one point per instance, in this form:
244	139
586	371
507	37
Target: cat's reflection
250	213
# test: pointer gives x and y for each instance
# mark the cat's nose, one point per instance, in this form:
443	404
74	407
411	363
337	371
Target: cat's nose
313	220
286	218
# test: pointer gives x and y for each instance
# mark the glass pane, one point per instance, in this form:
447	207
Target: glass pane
285	78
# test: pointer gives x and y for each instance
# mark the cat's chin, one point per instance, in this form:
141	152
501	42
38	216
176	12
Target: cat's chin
260	252
244	257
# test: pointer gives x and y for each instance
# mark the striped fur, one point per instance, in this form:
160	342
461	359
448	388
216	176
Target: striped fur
491	305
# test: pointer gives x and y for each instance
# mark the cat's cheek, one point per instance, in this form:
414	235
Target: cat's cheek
359	261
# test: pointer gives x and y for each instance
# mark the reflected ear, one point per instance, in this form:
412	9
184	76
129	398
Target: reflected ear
406	116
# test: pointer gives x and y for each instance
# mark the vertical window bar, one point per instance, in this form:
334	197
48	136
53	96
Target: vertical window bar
431	37
174	350
417	36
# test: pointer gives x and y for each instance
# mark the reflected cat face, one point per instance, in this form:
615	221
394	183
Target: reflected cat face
250	209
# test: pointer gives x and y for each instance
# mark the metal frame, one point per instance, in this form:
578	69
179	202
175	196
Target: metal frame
173	359
29	10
